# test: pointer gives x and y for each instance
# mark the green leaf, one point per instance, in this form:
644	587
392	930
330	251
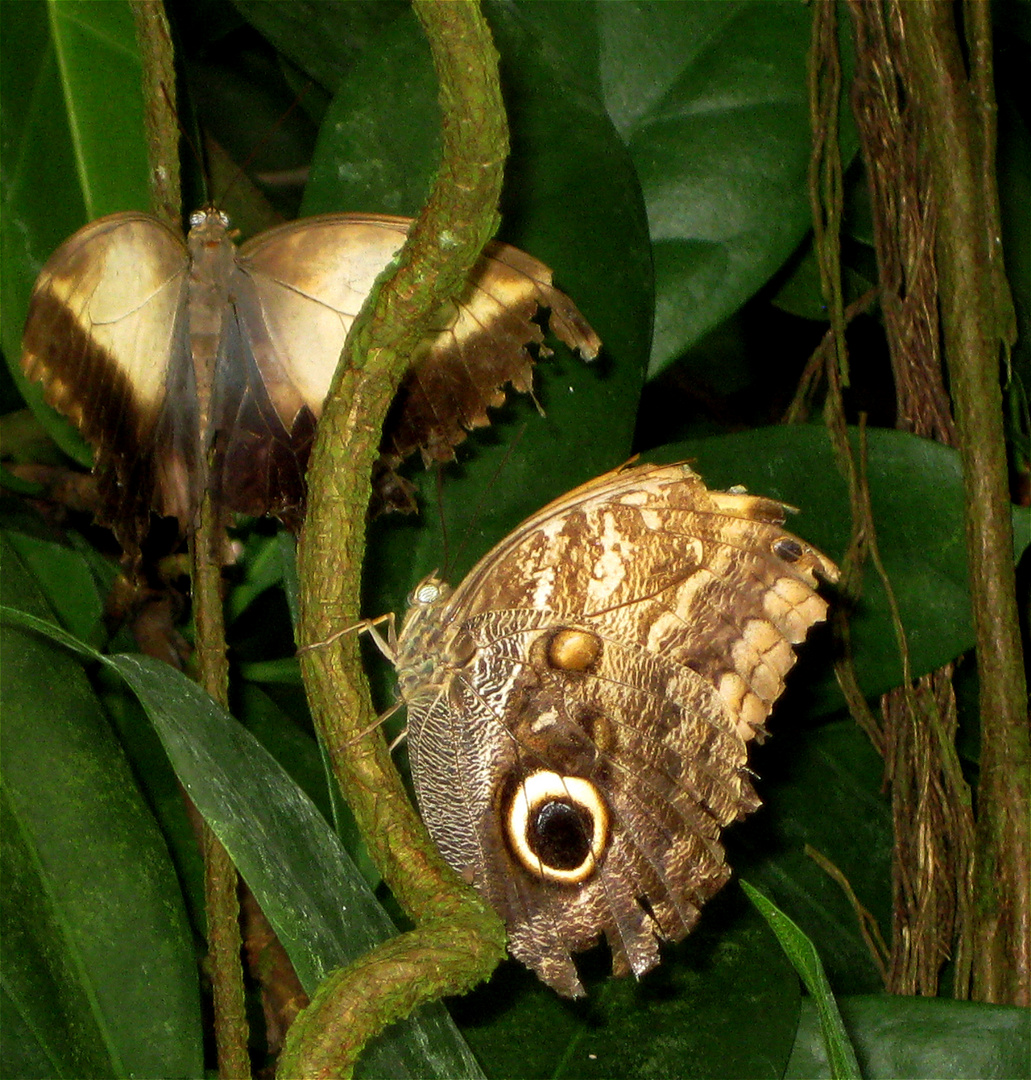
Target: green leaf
911	1038
50	1022
317	902
823	787
377	151
124	945
67	578
800	951
711	100
324	40
71	127
693	1016
915	486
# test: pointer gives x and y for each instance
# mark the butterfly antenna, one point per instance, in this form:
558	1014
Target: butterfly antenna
441	518
486	491
264	141
188	138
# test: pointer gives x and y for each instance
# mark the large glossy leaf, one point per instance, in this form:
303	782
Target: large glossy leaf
71	130
50	1026
821	787
316	900
916	490
324	39
67	576
571	200
113	933
711	99
907	1038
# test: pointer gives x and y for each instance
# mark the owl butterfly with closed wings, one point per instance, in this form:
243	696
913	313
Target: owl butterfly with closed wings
198	366
580	707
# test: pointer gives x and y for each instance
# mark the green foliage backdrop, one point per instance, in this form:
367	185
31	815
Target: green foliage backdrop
659	162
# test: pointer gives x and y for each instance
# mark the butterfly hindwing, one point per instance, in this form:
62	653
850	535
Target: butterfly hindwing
580	707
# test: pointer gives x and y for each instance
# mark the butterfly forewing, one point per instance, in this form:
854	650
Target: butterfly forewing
107	322
622	646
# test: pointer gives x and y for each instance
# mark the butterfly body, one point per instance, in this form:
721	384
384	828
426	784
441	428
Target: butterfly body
580	707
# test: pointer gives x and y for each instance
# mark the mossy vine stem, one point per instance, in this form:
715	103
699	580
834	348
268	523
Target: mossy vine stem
458	940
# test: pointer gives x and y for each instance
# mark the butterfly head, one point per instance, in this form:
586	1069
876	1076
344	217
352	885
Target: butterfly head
209	216
209	228
419	633
428	593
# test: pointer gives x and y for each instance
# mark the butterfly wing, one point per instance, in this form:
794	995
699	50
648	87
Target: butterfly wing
293	295
107	332
306	282
579	740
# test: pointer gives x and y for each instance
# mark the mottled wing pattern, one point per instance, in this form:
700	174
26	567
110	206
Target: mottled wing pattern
106	331
603	668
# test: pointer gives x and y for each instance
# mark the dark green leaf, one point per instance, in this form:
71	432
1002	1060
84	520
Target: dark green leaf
906	1038
323	38
694	1016
100	858
71	111
915	486
66	577
711	100
50	1027
317	902
377	152
800	951
823	787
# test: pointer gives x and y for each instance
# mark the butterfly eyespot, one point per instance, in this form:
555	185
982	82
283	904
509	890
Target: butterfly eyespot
573	650
558	826
789	549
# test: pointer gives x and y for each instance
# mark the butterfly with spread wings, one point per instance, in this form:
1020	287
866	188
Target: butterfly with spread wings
195	365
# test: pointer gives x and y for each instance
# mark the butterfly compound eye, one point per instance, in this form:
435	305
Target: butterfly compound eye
557	826
426	592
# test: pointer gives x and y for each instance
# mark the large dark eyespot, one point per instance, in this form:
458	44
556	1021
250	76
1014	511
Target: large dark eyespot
557	826
559	834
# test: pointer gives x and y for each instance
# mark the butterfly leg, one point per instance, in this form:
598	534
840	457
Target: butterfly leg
386	645
383	716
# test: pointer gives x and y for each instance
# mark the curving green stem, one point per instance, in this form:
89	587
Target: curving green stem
458	939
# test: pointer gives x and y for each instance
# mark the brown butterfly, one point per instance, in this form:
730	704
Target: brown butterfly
197	364
579	707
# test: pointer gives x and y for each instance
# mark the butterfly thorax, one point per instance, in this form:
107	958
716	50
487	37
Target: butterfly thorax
212	259
424	640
